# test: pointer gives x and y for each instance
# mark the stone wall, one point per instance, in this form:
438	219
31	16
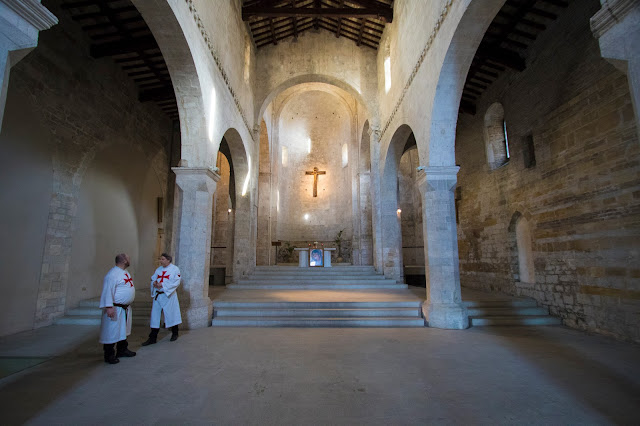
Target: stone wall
78	109
578	189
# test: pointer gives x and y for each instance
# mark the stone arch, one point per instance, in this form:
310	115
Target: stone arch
309	78
494	136
365	149
390	223
244	231
462	48
168	32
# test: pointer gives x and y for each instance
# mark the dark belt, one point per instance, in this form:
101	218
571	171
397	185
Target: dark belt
158	293
125	307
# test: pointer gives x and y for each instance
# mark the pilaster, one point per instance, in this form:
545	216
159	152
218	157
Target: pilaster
443	307
616	26
193	221
376	224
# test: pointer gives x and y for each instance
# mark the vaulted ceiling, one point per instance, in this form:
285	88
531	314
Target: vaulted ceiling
362	21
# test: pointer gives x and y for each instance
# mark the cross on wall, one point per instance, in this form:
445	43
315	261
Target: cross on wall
315	172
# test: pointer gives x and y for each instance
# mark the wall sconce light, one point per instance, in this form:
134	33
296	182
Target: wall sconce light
306	216
229	211
398	212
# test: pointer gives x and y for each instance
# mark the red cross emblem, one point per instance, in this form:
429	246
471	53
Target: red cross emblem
162	277
128	280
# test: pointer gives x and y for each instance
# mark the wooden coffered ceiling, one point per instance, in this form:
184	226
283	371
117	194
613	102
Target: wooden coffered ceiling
116	29
505	44
362	21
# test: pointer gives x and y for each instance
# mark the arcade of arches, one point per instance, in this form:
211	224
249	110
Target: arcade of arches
535	191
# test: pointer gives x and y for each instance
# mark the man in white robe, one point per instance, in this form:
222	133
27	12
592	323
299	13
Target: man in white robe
118	293
164	283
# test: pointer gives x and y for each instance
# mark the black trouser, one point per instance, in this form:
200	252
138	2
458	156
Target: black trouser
110	351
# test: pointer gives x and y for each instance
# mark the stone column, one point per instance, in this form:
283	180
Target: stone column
376	224
193	221
443	307
616	26
20	23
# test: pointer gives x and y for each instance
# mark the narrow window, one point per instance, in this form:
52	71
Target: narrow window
387	74
495	136
285	156
529	152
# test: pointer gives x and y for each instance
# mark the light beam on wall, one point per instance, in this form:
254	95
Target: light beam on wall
212	113
308	145
246	180
387	74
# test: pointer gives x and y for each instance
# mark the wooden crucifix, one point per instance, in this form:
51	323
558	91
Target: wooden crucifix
315	174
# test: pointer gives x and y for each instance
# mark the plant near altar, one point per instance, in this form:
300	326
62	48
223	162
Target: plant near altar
338	241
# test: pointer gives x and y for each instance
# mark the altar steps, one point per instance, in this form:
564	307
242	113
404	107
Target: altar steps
88	311
292	277
317	314
340	296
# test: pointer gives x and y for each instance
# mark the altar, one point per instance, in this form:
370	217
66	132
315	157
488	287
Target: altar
308	257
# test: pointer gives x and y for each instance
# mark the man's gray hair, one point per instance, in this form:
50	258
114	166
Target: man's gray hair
121	258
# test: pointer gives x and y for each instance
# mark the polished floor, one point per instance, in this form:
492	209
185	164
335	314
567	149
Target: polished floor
325	376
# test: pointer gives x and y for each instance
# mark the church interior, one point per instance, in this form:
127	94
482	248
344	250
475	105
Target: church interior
444	154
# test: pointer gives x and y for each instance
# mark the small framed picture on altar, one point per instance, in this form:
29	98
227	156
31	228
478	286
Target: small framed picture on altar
315	257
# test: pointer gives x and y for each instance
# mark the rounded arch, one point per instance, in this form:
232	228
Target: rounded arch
309	78
170	36
453	74
365	148
389	215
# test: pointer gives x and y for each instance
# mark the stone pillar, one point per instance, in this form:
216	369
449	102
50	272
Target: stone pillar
376	224
20	23
193	221
443	307
616	26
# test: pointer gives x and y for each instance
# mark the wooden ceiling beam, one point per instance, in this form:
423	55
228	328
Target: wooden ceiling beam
331	27
85	3
93	15
349	24
317	12
499	55
350	36
467	107
559	3
122	46
159	94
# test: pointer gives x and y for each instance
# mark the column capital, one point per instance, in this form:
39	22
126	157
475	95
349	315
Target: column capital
375	132
430	174
610	14
190	176
25	18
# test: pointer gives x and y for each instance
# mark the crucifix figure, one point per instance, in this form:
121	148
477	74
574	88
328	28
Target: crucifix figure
315	174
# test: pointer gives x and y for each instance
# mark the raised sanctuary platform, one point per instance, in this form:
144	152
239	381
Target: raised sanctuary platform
343	296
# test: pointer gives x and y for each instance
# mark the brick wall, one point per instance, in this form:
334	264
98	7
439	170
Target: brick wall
581	198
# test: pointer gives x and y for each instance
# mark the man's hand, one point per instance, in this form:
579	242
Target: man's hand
156	285
111	312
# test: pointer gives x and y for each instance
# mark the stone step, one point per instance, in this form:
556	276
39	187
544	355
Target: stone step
500	303
316	286
315	276
88	311
317	313
508	311
281	269
78	320
515	320
221	304
316	322
307	280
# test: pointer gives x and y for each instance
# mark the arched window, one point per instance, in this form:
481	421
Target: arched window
495	136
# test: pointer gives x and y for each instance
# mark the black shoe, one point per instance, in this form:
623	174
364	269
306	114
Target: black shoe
174	337
148	342
174	333
125	353
112	360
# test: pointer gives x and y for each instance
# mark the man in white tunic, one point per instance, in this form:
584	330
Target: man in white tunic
118	293
164	283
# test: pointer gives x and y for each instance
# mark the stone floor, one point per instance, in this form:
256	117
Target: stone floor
292	376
